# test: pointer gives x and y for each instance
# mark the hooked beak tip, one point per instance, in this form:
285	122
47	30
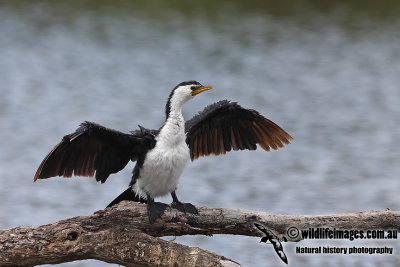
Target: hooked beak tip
201	89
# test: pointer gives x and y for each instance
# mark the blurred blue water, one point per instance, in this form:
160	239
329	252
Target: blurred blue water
331	79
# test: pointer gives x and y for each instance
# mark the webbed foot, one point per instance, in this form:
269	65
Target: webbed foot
155	210
184	207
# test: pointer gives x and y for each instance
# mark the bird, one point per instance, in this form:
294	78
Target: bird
161	155
273	239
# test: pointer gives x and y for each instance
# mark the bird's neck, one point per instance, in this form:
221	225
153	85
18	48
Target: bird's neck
175	110
172	133
175	103
175	121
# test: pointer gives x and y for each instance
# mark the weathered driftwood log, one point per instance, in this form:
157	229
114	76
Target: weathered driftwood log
123	235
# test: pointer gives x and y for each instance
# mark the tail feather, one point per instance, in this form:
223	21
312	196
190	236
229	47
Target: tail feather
128	194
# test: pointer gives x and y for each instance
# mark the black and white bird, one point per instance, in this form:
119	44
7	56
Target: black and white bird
161	155
273	239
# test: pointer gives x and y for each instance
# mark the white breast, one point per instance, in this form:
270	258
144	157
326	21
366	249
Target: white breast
164	164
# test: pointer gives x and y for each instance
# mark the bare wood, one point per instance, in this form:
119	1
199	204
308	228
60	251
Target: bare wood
123	235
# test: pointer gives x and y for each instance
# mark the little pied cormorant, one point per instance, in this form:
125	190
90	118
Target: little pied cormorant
161	155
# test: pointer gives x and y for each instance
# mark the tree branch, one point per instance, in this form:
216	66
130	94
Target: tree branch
122	234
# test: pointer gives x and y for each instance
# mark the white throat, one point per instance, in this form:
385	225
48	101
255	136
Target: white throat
178	99
173	131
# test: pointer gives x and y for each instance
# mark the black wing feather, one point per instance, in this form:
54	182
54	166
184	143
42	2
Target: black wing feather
227	137
225	125
93	149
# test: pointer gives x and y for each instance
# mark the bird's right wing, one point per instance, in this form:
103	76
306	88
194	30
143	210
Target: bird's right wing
93	149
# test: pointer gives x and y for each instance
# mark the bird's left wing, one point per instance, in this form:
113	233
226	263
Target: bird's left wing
225	125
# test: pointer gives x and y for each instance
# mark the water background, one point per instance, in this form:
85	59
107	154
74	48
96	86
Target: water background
328	72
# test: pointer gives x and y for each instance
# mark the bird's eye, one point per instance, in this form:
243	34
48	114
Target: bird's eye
193	87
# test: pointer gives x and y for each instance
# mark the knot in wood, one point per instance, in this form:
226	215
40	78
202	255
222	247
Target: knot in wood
72	236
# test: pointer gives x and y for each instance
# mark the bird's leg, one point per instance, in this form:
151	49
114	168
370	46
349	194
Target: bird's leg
155	209
184	207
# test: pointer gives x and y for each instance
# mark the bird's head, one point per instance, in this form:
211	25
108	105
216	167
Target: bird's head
182	93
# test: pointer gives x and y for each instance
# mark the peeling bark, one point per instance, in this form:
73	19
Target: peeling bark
123	235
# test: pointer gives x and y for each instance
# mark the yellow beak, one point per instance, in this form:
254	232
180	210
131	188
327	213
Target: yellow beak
201	89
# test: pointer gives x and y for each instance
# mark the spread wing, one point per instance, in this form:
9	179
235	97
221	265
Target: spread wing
225	125
94	149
